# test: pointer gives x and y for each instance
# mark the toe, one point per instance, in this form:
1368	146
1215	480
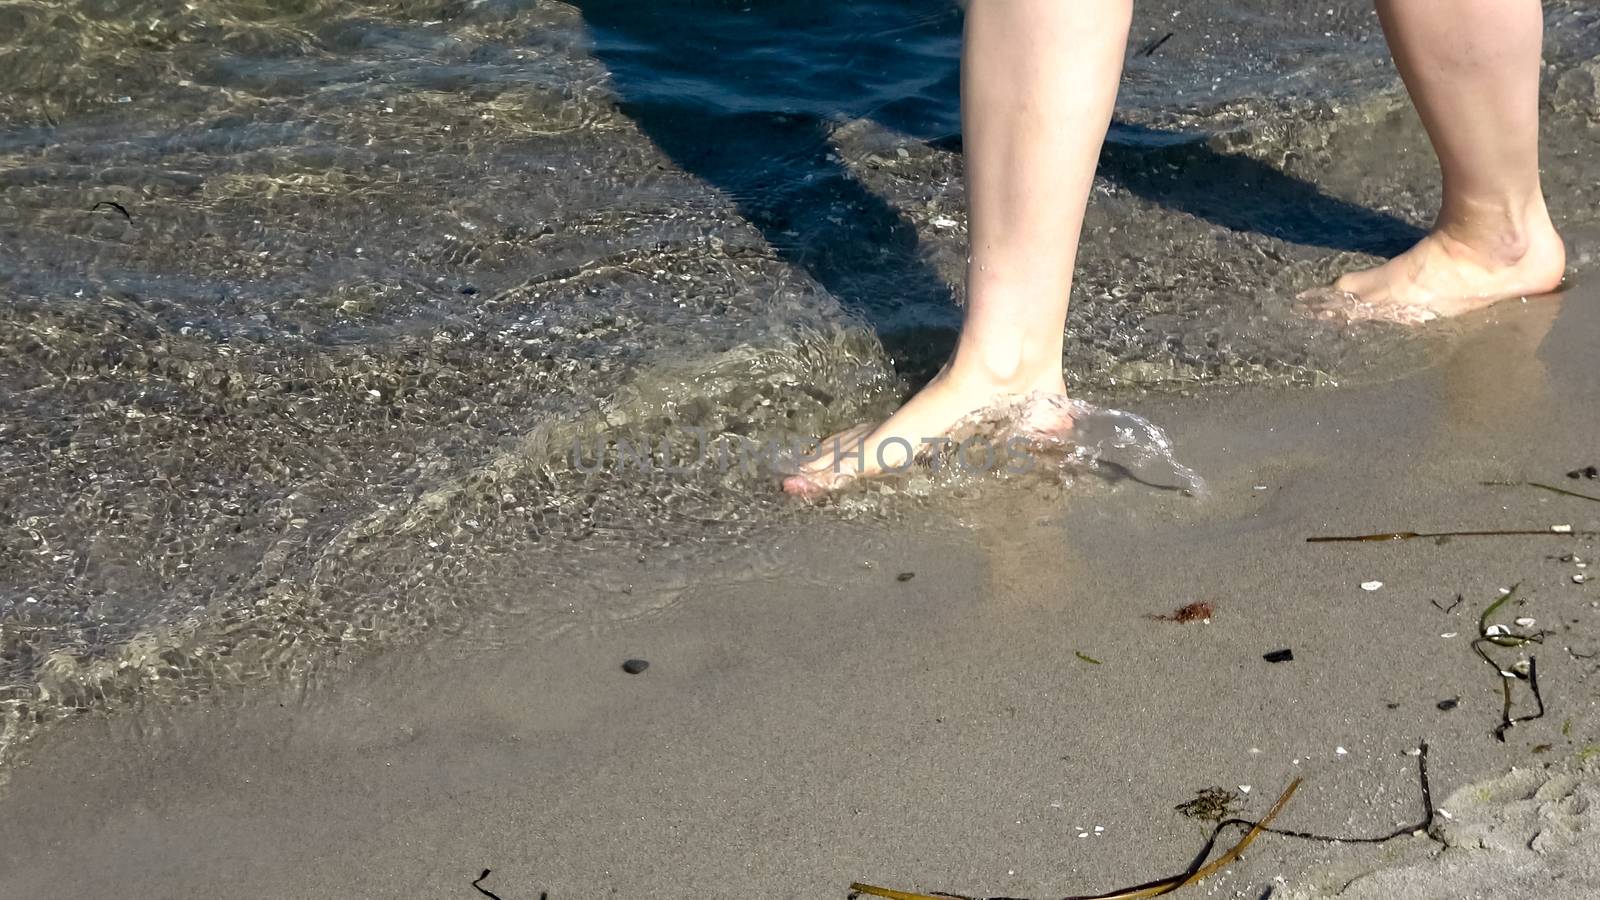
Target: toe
814	484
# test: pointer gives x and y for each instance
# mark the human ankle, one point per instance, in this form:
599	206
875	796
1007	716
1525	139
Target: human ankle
1501	231
1006	371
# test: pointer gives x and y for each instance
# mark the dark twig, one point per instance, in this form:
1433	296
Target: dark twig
114	205
483	890
543	895
1153	46
1451	608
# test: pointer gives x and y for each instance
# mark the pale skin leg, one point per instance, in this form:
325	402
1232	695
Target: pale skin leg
1038	83
1472	68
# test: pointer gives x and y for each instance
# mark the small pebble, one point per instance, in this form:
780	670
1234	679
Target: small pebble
1371	585
1244	788
1447	705
1278	656
1579	578
905	576
1341	751
635	666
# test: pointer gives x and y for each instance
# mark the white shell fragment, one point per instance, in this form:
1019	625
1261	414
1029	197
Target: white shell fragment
1496	631
1526	622
1561	529
1371	585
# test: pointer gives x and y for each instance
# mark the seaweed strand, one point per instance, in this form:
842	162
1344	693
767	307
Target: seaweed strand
1199	868
1543	487
1508	638
1412	535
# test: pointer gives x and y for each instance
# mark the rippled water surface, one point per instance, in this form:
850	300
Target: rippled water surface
303	305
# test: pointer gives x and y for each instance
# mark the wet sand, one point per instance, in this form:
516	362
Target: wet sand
810	719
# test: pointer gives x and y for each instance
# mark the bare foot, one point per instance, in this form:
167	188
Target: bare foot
1457	269
917	428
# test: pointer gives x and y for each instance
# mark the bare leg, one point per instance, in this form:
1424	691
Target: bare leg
1039	79
1472	67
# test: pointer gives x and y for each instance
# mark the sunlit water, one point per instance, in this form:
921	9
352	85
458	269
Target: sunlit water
306	305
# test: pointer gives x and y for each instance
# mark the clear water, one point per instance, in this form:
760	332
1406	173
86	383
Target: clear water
303	305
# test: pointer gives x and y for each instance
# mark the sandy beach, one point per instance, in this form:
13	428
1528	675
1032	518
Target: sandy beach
1008	720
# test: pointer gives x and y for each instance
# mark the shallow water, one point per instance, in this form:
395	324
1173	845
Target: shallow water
304	305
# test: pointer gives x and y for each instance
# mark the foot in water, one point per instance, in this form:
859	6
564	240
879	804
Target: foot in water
1460	267
948	401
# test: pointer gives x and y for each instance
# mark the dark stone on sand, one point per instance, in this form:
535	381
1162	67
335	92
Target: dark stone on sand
468	290
1284	655
1447	705
1590	472
905	576
635	666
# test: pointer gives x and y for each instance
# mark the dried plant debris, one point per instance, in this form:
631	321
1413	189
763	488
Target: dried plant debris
1150	889
1495	635
1198	611
1086	658
1545	487
1200	868
1212	804
1382	536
